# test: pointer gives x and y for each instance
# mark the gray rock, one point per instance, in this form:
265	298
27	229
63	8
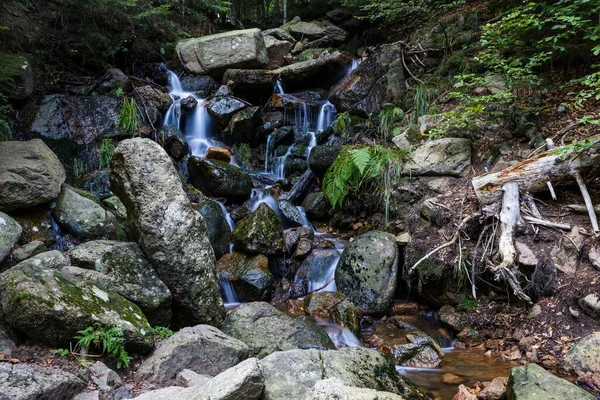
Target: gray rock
304	73
7	345
30	174
591	305
223	108
203	86
367	271
566	255
122	267
292	236
170	232
321	157
447	156
277	50
82	217
293	374
28	250
116	207
416	350
202	349
189	378
290	211
52	259
535	383
583	357
314	269
174	393
249	80
97	183
244	381
154	98
174	142
243	127
310	30
29	382
335	389
219	179
94	395
316	206
103	377
249	275
265	330
219	231
43	305
260	232
10	231
214	54
279	34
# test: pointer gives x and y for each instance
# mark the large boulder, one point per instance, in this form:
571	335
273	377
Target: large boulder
321	157
260	232
202	349
214	54
243	127
219	179
223	108
249	275
30	174
122	267
219	231
265	330
170	232
10	231
204	86
446	156
316	206
293	374
82	217
367	271
246	80
30	382
583	357
535	383
42	304
277	50
80	119
378	80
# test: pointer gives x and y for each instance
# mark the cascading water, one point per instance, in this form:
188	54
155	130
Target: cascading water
227	216
228	293
278	87
198	122
326	115
325	282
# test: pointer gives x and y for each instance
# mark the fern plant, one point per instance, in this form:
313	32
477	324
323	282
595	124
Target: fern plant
110	340
389	119
356	168
129	119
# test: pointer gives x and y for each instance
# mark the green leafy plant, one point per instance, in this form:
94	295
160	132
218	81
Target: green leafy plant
389	120
162	332
119	92
355	168
110	340
342	124
468	304
243	151
106	149
129	118
61	352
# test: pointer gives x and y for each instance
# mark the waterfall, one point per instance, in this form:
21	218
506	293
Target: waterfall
278	89
228	293
198	122
354	65
61	242
326	282
302	118
227	216
305	222
326	115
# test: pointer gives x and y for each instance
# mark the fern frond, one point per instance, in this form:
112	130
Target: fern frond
361	158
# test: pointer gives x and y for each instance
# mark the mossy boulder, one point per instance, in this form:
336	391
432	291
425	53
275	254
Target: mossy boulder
43	305
219	231
10	231
265	330
535	383
82	217
249	275
367	271
583	357
219	179
30	174
260	232
16	76
122	267
335	306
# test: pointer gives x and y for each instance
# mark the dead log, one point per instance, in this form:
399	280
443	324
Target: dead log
532	175
301	186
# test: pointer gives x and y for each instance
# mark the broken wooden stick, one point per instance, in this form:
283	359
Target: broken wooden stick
548	224
588	201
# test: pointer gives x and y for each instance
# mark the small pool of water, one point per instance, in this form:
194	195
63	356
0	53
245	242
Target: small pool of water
466	366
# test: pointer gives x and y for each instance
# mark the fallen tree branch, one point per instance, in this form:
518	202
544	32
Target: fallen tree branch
409	71
588	201
548	224
581	208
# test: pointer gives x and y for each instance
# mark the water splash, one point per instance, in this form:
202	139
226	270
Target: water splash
340	336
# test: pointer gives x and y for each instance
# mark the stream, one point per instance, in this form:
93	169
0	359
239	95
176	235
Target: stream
459	366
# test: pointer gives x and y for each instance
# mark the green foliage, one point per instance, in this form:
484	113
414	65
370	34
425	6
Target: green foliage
356	168
575	147
6	111
129	118
106	149
110	340
79	168
389	120
243	151
468	304
162	332
61	352
342	125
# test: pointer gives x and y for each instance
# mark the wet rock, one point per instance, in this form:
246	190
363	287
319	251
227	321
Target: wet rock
243	127
591	305
29	382
416	350
367	270
10	231
174	142
453	319
321	158
7	345
224	108
405	308
320	303
176	242
36	224
220	179
219	231
496	390
78	119
123	268
43	305
277	50
103	377
204	86
447	156
316	206
464	393
583	357
202	349
535	383
378	80
154	98
214	54
97	183
283	135
292	236
313	273
28	250
293	374
265	330
218	154
303	249
17	76
188	103
246	80
30	174
249	275
259	233
82	217
290	211
53	259
334	388
116	207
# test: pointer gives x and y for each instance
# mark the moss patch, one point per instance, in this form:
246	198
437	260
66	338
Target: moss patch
11	66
